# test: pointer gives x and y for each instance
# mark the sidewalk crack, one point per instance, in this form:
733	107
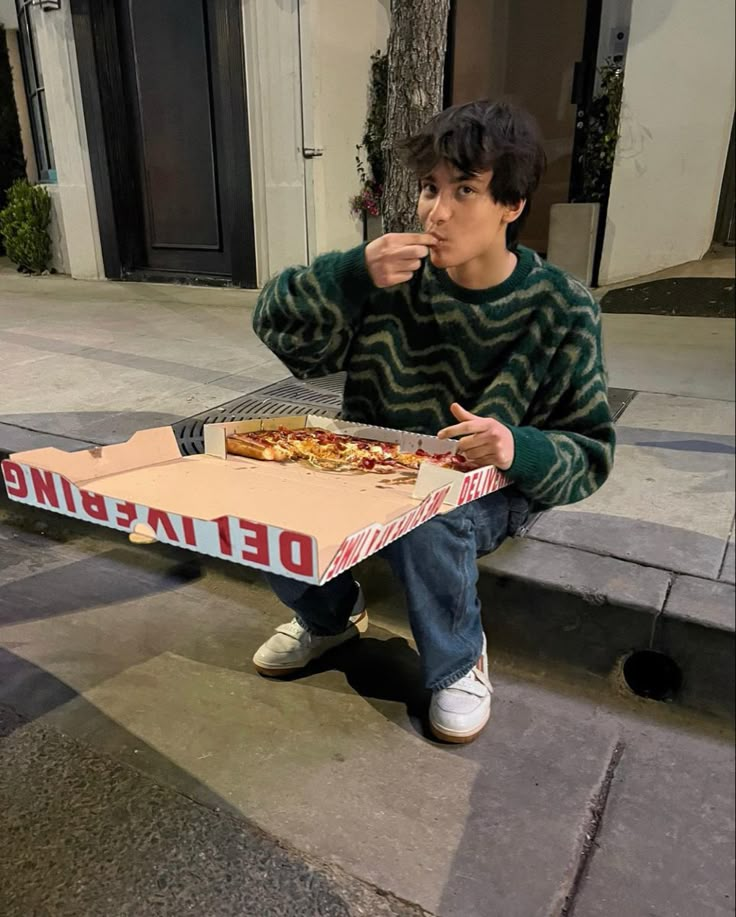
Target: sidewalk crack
592	829
722	564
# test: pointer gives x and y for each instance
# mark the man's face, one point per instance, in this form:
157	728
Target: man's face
459	211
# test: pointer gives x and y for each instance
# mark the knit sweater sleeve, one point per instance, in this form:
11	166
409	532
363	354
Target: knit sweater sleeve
308	316
568	455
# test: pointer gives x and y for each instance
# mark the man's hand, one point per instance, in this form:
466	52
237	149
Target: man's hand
393	258
484	441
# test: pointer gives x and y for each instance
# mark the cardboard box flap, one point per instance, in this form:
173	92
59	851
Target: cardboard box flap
146	447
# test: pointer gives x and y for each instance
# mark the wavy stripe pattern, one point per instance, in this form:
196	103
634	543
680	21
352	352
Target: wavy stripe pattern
530	356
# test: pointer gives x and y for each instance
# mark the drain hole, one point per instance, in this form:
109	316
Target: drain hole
652	675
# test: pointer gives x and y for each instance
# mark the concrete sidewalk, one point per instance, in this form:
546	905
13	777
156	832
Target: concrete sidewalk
574	801
646	563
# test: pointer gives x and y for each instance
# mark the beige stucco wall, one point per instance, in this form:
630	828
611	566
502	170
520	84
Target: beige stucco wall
307	65
676	121
8	16
75	232
342	44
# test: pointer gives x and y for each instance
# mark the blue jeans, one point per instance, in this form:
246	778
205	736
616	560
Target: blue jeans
436	565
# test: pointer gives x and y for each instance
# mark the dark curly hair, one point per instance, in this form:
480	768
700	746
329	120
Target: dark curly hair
482	136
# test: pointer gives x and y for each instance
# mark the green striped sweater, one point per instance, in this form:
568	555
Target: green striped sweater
527	352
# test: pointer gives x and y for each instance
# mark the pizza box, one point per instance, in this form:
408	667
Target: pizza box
286	518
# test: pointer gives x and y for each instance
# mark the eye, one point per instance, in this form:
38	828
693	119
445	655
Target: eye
428	188
466	191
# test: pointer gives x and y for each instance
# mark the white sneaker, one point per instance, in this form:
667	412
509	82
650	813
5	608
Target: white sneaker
293	647
459	713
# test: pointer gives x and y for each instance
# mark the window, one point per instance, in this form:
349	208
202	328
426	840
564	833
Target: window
33	79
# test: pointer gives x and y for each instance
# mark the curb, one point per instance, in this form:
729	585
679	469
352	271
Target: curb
548	603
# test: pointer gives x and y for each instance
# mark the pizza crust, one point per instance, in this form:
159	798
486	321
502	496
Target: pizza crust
239	445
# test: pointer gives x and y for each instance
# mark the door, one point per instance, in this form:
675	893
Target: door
534	53
189	206
725	229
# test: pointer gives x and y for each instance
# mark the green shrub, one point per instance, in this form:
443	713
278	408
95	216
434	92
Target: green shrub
12	162
24	226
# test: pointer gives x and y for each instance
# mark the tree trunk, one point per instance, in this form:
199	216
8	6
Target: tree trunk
416	64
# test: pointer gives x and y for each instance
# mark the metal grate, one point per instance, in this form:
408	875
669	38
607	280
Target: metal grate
289	396
322	397
325	391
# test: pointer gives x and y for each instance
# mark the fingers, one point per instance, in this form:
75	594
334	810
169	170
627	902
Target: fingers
462	429
393	259
415	238
460	413
412	252
402	277
483	451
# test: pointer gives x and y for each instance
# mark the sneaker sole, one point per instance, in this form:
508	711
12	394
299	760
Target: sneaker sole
361	625
458	738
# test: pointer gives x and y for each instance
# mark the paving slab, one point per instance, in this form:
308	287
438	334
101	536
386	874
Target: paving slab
680	415
639	541
15	356
15	438
175	356
84	835
96	427
336	764
676	355
696	629
149	665
702	602
669	501
602	580
25	554
665	846
350	777
114	358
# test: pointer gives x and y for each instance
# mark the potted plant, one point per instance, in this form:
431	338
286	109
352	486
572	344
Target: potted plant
574	227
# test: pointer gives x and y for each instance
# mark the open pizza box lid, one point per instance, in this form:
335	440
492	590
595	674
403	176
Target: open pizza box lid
286	518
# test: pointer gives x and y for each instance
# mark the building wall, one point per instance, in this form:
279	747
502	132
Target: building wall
615	17
341	48
8	17
676	119
74	232
272	59
308	66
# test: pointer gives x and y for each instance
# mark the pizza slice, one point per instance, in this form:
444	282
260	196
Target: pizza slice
330	451
257	446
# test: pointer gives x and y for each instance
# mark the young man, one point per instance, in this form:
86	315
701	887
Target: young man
461	331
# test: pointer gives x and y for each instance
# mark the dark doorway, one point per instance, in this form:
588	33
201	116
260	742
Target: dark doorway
725	229
165	104
540	55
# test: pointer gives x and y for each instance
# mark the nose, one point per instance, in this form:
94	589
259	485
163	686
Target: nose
441	209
